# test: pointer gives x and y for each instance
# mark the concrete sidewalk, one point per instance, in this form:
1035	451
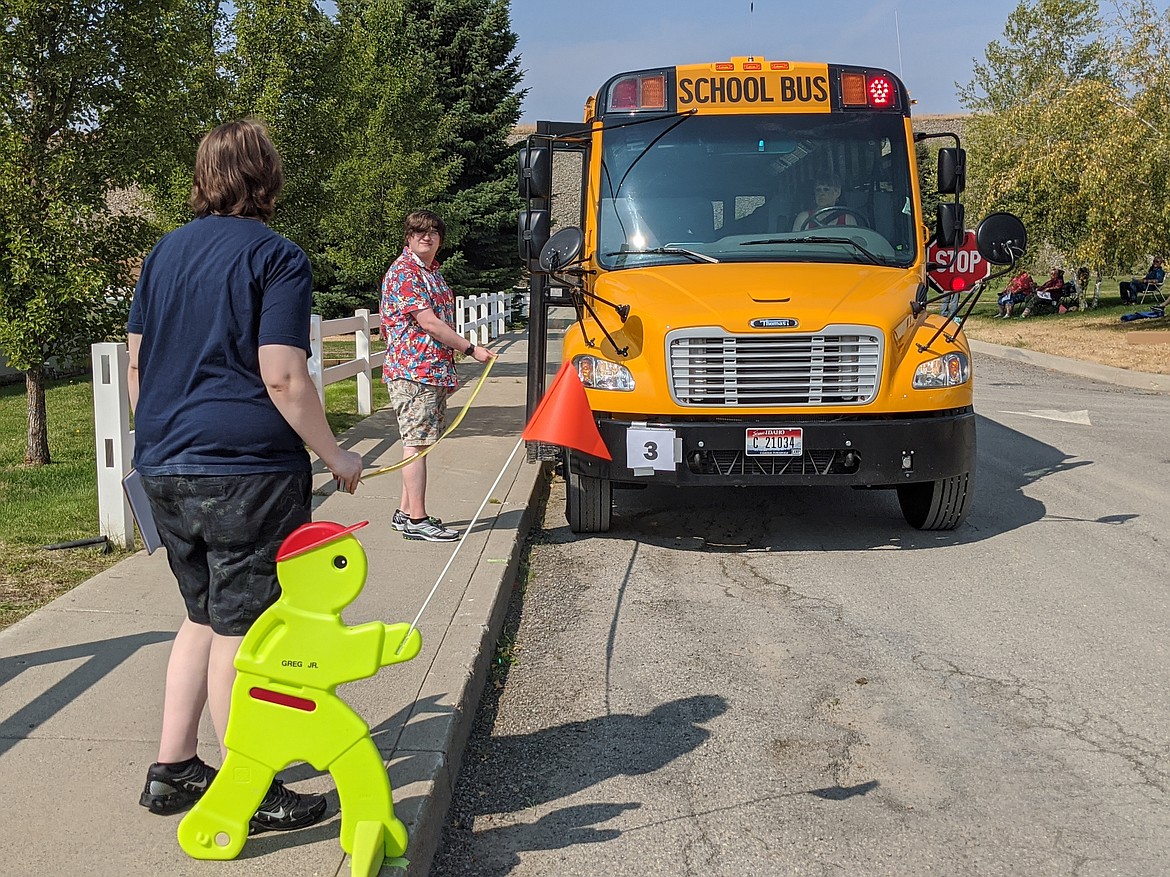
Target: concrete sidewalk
81	679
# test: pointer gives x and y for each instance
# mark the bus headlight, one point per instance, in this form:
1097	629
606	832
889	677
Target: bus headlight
945	371
601	374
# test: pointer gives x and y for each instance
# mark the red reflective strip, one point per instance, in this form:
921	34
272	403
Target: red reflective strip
297	703
750	65
724	66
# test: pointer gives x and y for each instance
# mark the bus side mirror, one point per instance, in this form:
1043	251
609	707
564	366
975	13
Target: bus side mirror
532	234
535	172
952	170
948	223
1001	238
561	249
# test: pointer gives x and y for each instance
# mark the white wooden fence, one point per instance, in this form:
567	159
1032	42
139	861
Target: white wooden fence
477	318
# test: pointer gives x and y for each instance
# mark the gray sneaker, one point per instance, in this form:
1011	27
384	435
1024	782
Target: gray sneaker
398	521
428	530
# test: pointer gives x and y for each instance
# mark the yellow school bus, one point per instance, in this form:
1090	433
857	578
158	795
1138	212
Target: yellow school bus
746	262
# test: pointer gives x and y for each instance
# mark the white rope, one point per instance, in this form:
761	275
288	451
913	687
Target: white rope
466	533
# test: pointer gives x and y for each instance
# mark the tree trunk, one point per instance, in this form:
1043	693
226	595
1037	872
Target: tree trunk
38	426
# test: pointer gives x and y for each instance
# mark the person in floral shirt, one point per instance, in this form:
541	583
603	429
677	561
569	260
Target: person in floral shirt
418	323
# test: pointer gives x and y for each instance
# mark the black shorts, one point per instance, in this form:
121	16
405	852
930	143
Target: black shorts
221	533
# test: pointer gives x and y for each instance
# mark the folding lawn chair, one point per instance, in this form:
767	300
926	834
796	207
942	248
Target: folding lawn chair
1153	291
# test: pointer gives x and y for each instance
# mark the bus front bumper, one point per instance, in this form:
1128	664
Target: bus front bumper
858	452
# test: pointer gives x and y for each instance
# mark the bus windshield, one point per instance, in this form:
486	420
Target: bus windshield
740	188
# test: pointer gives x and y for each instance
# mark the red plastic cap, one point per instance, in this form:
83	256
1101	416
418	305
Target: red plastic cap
306	537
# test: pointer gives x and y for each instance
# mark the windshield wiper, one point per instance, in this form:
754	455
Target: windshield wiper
666	251
821	239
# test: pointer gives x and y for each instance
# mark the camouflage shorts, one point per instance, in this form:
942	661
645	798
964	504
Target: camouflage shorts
421	410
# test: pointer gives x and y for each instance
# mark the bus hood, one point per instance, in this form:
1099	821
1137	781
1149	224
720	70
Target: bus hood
734	295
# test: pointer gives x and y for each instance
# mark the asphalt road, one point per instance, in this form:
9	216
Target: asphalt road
780	682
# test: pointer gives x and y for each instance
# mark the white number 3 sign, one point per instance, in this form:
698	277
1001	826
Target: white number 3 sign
650	448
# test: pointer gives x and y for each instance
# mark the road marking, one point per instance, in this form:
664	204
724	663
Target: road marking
1081	417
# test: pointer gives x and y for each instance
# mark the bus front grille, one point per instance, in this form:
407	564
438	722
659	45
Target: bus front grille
710	367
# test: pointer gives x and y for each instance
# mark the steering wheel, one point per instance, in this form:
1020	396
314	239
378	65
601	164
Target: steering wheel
825	215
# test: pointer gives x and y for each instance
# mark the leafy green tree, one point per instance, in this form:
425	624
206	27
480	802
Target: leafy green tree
283	63
468	48
1143	47
1084	200
1059	138
89	93
205	90
1045	41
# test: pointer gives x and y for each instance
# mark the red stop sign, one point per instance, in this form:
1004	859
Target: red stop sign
958	269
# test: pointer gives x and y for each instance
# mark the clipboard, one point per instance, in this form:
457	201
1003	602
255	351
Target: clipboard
140	506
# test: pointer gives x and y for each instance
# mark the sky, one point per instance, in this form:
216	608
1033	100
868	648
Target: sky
569	49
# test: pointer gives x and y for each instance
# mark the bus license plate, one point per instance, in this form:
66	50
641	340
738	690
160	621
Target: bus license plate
775	442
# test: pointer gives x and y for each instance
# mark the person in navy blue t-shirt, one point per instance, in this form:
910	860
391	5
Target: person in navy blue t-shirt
224	406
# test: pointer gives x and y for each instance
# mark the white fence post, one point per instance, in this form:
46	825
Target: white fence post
482	317
365	385
113	440
499	309
316	356
460	315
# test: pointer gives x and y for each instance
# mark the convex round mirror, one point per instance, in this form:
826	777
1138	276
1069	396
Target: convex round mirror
562	248
1001	238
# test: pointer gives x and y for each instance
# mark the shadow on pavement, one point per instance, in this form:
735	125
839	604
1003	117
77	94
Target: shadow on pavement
744	519
101	658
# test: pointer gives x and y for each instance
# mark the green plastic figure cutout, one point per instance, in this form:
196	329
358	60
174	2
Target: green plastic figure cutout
285	709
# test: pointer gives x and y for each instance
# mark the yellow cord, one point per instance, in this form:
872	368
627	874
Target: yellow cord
450	429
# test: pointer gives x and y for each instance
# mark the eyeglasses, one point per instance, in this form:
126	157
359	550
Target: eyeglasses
429	233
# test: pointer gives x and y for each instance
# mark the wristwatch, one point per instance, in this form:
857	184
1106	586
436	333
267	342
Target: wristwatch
470	351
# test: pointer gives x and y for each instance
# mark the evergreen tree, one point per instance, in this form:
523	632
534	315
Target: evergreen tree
468	48
92	97
390	127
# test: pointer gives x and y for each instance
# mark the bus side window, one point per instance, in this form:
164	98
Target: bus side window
756	214
885	220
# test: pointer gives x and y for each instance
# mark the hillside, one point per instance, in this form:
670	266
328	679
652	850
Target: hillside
940	124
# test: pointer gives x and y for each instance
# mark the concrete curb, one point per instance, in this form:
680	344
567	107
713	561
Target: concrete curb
1107	373
464	659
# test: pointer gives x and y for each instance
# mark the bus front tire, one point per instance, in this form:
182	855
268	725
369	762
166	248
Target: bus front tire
937	505
588	502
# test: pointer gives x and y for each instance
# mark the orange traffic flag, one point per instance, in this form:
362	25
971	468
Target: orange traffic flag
564	417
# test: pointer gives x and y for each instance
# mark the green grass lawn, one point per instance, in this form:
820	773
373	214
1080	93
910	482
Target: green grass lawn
58	503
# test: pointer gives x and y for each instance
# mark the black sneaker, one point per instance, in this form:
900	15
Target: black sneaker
398	522
169	790
283	809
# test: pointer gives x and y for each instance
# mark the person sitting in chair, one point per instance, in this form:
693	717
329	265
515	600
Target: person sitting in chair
1131	289
1021	287
825	211
1046	298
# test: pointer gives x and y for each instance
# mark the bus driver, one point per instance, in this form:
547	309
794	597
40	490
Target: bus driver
826	191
